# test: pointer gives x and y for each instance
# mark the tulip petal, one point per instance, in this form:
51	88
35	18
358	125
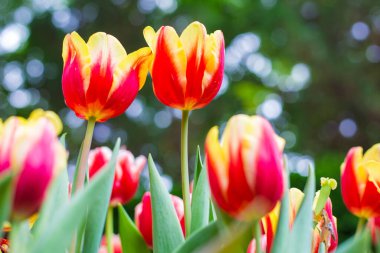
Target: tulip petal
76	73
372	154
349	183
150	37
217	161
169	69
214	67
193	40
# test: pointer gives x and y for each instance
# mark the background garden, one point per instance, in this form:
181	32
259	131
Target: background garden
310	67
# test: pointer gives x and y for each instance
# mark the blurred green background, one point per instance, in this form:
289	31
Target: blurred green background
310	67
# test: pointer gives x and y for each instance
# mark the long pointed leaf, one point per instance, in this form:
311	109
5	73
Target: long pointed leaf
200	203
361	243
57	237
131	239
167	232
300	235
98	211
199	238
198	166
281	240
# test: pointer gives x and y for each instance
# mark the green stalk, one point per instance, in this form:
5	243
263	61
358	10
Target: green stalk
185	170
83	163
258	236
360	226
109	230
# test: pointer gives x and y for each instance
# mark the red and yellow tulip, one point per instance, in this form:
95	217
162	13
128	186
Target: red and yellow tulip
187	70
144	219
127	172
245	168
100	80
360	181
374	226
31	150
116	245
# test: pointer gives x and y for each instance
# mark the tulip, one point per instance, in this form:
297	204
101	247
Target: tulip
245	168
143	216
116	243
360	182
31	150
127	172
187	70
99	82
187	73
99	79
374	226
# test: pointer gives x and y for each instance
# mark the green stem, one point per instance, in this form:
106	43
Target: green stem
109	230
185	170
360	226
258	236
83	163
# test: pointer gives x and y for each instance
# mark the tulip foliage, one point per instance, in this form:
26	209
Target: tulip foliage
240	199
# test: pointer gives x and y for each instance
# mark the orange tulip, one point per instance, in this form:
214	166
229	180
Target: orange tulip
360	181
187	70
245	168
99	79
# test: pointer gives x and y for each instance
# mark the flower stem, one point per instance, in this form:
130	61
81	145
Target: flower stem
360	226
109	230
83	163
258	236
185	170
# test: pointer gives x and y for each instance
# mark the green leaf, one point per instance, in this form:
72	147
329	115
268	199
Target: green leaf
167	232
98	211
199	238
57	197
76	171
322	248
20	237
5	197
131	239
300	235
58	235
198	167
360	243
281	239
200	203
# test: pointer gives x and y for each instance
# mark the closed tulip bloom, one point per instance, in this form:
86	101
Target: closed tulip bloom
144	219
187	70
31	149
127	172
245	167
100	80
360	182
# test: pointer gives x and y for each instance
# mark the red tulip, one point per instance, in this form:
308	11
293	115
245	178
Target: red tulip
127	172
245	168
31	149
187	70
115	242
4	245
374	226
99	79
360	182
143	216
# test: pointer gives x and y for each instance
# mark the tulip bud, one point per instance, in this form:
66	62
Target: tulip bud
127	172
99	79
143	216
187	70
116	243
31	149
245	168
360	182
